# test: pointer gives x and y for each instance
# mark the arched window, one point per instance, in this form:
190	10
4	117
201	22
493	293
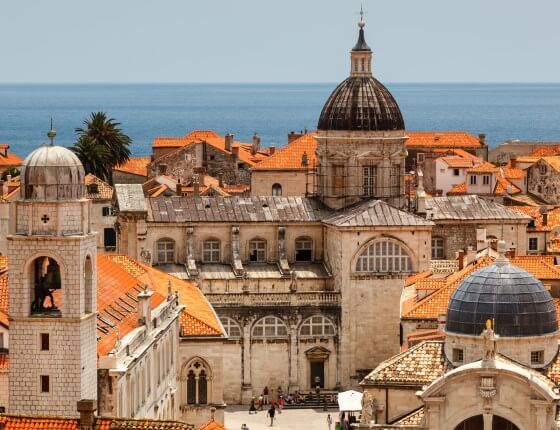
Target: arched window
231	327
270	326
437	248
197	382
257	250
46	286
88	281
211	251
384	256
276	189
165	251
304	249
317	325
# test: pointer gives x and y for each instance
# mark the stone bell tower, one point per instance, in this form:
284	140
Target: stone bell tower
52	287
361	141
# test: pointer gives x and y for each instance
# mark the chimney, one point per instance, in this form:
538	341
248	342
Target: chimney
8	178
86	408
235	151
228	140
196	185
178	187
513	161
145	307
420	194
271	150
461	259
256	145
544	213
470	256
221	180
482	139
292	135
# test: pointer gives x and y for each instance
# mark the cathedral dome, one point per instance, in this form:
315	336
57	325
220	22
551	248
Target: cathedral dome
52	173
361	102
514	299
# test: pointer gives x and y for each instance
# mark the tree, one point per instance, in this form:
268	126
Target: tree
106	133
13	171
94	157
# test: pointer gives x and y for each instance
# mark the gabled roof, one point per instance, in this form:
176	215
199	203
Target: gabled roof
504	186
135	165
179	142
469	207
454	161
374	213
513	172
418	366
10	159
235	209
290	156
446	139
553	161
104	190
130	198
212	425
553	217
484	167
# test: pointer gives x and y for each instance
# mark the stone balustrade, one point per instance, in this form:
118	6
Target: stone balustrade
274	299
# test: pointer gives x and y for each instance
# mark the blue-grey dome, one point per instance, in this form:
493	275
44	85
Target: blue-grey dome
516	301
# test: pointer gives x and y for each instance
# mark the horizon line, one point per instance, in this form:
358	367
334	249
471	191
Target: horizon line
270	82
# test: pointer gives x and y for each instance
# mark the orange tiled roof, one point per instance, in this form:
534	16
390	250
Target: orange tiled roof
23	422
414	419
10	160
4	319
135	165
290	156
458	189
430	284
503	186
513	172
4	292
212	425
553	161
412	279
546	150
4	362
104	190
553	217
3	261
485	167
418	366
527	159
179	142
540	266
456	161
446	139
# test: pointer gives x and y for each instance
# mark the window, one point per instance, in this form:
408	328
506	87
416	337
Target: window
276	189
45	384
162	168
485	180
197	382
92	188
211	251
420	157
338	183
108	211
458	355
542	169
473	179
44	337
395	176
384	256
270	327
1	340
317	326
231	327
363	64
437	248
304	249
369	179
537	357
46	288
455	172
165	251
533	244
257	250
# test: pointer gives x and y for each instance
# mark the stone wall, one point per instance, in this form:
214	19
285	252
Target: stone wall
293	183
394	402
545	183
456	236
4	390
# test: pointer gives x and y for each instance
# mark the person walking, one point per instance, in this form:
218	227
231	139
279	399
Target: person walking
260	403
329	421
265	395
252	407
271	412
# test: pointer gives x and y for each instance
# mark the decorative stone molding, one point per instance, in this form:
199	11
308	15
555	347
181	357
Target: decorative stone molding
192	270
236	263
283	264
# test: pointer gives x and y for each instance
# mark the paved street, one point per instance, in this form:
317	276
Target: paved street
294	419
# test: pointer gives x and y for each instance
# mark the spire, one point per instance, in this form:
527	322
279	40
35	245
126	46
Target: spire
361	45
51	134
360	56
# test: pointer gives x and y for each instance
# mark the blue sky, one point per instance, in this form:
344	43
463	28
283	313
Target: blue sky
277	41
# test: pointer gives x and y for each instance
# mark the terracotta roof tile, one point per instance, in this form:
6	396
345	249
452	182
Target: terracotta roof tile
21	422
485	167
415	418
212	425
4	292
192	326
418	366
553	217
540	266
4	362
290	156
412	279
553	161
456	161
10	160
503	186
513	172
179	142
458	189
546	150
104	190
4	319
446	139
3	261
135	165
141	424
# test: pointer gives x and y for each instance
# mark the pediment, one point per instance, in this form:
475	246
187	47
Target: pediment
317	353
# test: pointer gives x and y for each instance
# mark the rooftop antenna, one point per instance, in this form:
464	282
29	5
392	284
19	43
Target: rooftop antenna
362	23
51	134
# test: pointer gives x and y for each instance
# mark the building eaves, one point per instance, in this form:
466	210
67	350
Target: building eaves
469	207
130	198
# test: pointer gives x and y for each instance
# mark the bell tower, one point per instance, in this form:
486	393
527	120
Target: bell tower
52	287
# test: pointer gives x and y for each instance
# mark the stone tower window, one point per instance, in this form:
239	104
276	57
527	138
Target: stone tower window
304	249
338	183
270	327
165	251
537	357
198	375
384	256
231	327
88	286
46	286
45	341
458	355
369	180
317	326
45	384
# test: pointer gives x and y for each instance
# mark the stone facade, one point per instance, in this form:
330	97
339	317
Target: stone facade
543	180
292	183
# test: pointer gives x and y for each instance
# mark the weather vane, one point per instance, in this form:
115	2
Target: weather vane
51	133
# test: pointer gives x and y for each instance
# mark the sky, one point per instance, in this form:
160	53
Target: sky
74	41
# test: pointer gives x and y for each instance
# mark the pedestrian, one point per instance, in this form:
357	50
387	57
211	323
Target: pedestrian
329	421
260	403
252	407
270	413
265	395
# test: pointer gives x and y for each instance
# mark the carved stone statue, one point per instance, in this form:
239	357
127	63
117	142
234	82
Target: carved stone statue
489	341
367	408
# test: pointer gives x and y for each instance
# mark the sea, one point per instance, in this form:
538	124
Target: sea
501	111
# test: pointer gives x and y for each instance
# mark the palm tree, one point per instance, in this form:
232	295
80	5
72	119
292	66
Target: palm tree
93	156
106	132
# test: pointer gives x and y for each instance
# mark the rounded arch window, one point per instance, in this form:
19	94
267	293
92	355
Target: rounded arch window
276	189
88	285
384	256
317	325
257	250
165	251
231	327
304	249
46	286
270	326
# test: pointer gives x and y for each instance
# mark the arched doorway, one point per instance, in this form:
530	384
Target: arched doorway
477	423
46	286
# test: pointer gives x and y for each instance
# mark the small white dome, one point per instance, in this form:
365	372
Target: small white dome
52	173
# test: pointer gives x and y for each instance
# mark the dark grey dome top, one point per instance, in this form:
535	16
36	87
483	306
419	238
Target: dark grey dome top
361	44
361	104
516	301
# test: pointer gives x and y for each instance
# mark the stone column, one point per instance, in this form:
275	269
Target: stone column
246	387
540	407
487	417
434	420
293	357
